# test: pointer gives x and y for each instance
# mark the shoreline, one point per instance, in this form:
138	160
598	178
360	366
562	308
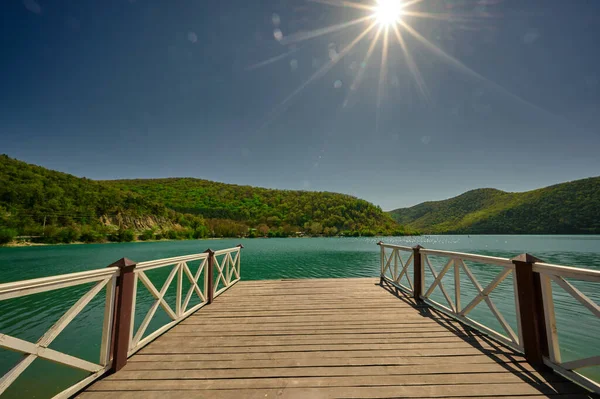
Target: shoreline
24	244
41	244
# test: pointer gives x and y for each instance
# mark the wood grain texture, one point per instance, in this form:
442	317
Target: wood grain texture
330	338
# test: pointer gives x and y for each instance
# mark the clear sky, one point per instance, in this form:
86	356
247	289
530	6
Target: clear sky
151	88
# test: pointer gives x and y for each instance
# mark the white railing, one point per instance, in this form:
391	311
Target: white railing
102	278
199	279
456	263
554	273
396	265
227	264
179	267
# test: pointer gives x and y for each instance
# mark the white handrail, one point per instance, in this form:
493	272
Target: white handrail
549	274
33	286
40	349
152	264
394	272
453	306
567	271
457	261
226	268
180	267
229	272
400	247
492	260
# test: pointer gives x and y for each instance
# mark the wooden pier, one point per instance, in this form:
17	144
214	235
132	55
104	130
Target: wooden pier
378	337
332	338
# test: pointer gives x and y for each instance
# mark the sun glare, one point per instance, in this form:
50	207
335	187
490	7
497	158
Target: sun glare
388	12
388	19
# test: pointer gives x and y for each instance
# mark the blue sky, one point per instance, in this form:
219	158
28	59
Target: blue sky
149	88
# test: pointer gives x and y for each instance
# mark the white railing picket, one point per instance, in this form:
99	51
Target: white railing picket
554	273
227	267
103	278
438	281
393	273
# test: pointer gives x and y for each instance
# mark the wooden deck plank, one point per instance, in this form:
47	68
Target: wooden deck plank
173	390
435	352
343	338
158	362
311	382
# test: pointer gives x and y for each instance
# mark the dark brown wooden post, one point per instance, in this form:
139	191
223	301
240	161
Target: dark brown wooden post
381	260
209	274
531	309
122	313
417	273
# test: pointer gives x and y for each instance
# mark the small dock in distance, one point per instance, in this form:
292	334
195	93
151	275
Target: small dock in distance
329	338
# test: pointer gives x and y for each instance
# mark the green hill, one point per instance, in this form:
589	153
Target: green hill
53	207
284	210
567	208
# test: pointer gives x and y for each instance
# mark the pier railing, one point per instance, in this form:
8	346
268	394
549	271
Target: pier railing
40	349
413	270
207	274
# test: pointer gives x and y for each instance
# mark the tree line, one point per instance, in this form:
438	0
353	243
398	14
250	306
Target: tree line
53	207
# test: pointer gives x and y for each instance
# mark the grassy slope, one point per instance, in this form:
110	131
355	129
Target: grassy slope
572	207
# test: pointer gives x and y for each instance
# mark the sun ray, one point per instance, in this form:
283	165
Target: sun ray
363	66
446	16
319	73
272	59
382	75
407	4
386	14
463	68
383	68
301	36
412	66
439	17
343	3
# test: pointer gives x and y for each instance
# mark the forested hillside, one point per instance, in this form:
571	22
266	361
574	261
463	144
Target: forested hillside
567	208
54	207
281	210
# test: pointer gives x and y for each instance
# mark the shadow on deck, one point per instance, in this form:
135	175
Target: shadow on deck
325	338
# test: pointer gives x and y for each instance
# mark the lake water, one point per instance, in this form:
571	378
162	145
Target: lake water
29	317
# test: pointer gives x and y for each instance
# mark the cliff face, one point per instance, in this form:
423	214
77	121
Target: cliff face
138	223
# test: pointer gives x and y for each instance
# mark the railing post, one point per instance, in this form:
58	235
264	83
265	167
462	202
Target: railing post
531	309
122	313
381	261
209	275
417	272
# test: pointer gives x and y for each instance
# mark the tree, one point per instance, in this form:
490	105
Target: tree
330	231
263	229
7	235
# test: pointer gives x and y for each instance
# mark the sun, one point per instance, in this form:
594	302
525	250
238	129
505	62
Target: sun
388	12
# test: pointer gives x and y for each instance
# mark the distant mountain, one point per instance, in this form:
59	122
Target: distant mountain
56	207
567	208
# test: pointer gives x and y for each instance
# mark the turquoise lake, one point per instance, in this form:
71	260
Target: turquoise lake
29	317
